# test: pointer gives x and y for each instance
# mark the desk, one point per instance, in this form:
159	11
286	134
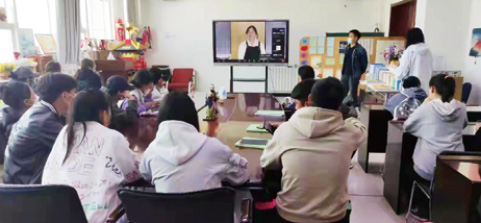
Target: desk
237	112
474	113
457	189
375	92
376	119
399	163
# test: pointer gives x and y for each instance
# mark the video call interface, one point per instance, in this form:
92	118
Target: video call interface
250	41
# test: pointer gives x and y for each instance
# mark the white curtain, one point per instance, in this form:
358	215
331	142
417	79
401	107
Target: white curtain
68	31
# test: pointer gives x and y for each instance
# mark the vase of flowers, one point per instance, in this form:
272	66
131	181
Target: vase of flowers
392	54
5	70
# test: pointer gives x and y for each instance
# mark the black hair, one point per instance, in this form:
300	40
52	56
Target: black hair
141	78
156	74
88	80
327	93
302	90
87	64
444	86
410	82
85	108
306	72
178	106
414	36
53	67
252	27
356	33
14	93
49	87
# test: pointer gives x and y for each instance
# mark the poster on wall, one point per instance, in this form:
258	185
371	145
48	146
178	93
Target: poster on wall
476	43
26	42
342	46
47	42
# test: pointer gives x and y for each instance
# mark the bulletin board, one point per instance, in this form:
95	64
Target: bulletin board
325	55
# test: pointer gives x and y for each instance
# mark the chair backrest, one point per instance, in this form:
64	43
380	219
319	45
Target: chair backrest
466	92
213	206
40	204
182	75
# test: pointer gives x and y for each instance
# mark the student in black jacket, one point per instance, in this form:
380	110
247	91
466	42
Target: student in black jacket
33	136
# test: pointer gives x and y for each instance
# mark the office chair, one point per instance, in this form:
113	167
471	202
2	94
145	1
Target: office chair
466	92
422	195
40	204
214	206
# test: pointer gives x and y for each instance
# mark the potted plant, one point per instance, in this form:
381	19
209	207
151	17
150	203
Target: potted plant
392	54
5	70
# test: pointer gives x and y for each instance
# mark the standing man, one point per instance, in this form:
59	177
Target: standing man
355	64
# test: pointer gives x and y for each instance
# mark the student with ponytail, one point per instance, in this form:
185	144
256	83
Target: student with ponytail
92	158
438	124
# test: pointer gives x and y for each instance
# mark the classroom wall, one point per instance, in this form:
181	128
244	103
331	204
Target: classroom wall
182	29
471	70
445	24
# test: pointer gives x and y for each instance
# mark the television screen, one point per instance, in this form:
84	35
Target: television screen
255	42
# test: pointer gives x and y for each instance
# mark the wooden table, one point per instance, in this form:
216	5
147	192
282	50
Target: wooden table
376	119
237	112
457	189
399	163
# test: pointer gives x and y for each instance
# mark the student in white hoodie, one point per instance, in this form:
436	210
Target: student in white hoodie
181	159
92	158
416	60
313	150
438	124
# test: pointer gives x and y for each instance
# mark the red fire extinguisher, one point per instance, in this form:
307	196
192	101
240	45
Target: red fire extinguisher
120	31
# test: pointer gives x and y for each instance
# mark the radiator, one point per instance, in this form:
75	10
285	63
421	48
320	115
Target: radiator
282	79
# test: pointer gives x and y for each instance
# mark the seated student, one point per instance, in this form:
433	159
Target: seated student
438	124
33	136
85	64
106	167
306	72
160	85
18	97
301	92
144	85
88	80
412	89
25	74
119	89
313	150
53	67
181	159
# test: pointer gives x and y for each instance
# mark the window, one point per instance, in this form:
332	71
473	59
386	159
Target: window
6	44
96	19
36	14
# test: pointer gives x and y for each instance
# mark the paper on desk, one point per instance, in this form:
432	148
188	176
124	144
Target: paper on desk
256	128
270	113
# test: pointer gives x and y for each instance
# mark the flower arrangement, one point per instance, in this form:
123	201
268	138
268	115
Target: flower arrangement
7	67
393	52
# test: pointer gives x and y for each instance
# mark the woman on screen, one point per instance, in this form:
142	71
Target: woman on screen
252	48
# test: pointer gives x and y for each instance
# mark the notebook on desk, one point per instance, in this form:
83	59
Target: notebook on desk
270	113
256	128
252	143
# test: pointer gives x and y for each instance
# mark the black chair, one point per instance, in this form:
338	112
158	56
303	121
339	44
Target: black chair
421	195
466	92
40	204
213	206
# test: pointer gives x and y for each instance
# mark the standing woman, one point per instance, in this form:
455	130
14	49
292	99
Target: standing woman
252	48
92	158
417	59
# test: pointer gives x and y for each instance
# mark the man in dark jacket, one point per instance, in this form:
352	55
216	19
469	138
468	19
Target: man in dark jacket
33	136
119	89
355	64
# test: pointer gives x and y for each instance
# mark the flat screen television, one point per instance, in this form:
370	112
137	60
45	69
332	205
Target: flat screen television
254	42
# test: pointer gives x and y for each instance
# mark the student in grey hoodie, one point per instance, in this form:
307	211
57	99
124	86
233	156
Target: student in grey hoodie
181	159
438	124
412	89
